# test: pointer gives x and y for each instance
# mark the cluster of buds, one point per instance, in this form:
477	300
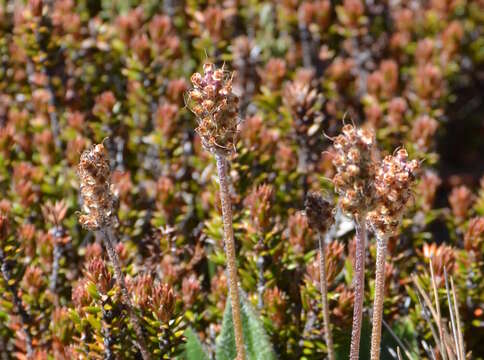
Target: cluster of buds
97	273
355	169
95	177
216	108
319	212
158	298
393	182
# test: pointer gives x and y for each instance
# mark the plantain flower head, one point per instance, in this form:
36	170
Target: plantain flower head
95	177
216	107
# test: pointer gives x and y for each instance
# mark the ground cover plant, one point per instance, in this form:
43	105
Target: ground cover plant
241	179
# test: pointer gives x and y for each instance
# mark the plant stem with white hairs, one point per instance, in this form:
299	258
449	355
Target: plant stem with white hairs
230	253
381	250
359	286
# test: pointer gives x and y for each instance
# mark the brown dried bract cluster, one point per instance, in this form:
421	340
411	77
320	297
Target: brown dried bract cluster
95	176
355	169
301	100
319	212
216	108
393	182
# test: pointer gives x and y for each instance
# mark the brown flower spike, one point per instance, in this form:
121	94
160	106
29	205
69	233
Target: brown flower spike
216	107
95	177
354	181
393	182
319	212
354	169
320	217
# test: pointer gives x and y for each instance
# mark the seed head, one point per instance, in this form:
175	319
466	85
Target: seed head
319	212
393	182
355	169
95	177
215	105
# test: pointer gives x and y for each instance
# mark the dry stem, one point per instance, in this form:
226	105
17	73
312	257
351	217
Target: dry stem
324	297
109	241
24	316
359	284
230	253
381	250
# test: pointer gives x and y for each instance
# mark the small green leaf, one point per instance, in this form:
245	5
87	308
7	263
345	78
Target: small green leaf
193	347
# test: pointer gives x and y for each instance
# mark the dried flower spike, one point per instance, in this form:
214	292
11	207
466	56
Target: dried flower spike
319	212
354	181
95	177
355	169
216	107
320	217
393	182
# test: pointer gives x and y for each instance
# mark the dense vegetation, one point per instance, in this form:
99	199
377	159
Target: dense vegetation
75	74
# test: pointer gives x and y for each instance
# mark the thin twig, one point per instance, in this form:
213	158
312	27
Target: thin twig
230	253
57	253
109	242
24	316
108	339
324	297
359	285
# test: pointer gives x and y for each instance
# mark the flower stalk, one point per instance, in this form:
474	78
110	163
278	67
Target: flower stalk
393	181
354	182
320	217
95	176
359	286
324	298
230	254
216	107
381	250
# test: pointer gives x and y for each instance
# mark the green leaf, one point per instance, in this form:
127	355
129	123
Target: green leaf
343	350
193	347
257	344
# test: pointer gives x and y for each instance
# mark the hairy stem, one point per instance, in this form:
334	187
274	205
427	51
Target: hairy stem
230	253
381	250
109	241
24	316
359	285
324	297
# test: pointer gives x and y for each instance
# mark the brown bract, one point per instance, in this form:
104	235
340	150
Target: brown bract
216	107
95	177
319	212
